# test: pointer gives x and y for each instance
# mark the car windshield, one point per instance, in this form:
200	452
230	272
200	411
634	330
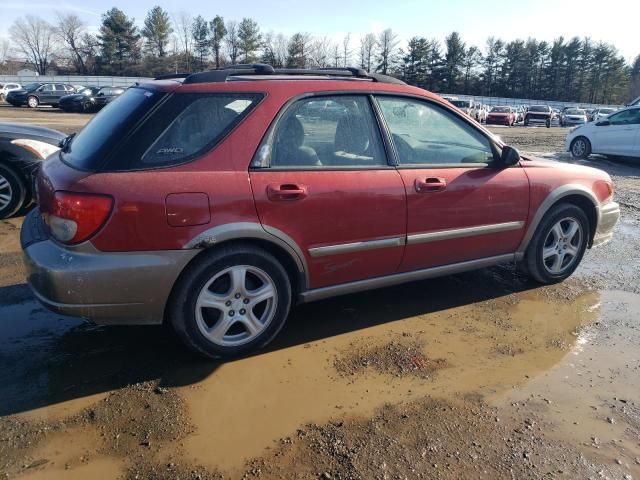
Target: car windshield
29	87
461	103
89	148
575	111
539	108
500	110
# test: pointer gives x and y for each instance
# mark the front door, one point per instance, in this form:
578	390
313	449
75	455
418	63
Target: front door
325	182
460	206
618	137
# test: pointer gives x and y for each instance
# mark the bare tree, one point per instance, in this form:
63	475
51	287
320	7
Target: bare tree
367	50
346	51
232	41
35	38
275	49
335	55
182	22
320	52
70	29
4	50
387	50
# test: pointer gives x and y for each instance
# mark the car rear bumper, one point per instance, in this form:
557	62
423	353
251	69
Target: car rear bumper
104	287
608	216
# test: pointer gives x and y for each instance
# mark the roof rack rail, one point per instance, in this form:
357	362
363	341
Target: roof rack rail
169	76
257	69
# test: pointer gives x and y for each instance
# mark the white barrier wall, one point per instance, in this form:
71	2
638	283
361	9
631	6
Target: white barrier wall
85	80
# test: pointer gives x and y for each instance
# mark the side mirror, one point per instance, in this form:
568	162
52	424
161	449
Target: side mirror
510	156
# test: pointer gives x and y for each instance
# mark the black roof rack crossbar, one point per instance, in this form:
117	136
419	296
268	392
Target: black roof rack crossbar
257	69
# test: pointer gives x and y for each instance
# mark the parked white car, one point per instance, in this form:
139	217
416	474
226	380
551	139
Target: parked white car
618	134
6	88
602	113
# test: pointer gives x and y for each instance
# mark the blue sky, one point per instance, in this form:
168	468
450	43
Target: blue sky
613	21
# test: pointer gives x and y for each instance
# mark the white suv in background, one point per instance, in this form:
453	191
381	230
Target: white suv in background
6	88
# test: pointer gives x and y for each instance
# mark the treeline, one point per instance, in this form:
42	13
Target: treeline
575	69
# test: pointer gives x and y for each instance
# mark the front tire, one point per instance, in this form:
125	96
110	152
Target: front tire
580	147
13	192
33	102
558	245
230	302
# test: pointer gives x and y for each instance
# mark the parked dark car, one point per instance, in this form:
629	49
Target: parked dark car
217	201
38	93
538	114
90	99
79	102
22	148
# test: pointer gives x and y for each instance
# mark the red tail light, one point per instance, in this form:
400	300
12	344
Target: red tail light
75	217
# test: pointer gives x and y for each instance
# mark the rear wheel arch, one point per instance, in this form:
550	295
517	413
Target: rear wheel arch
289	259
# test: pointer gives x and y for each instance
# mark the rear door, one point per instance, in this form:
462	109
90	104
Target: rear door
460	205
322	178
47	93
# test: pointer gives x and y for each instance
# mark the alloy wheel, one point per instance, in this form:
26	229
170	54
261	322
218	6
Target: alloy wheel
579	147
236	305
32	102
6	192
562	246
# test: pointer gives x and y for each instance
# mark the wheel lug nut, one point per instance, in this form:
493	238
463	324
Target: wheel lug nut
228	303
237	295
243	311
232	313
245	301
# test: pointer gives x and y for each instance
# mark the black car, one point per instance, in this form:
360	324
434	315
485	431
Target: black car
39	93
22	148
107	95
83	101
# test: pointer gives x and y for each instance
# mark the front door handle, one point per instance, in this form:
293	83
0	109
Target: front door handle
286	191
430	184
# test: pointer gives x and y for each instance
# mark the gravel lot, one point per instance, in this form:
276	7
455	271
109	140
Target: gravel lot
478	375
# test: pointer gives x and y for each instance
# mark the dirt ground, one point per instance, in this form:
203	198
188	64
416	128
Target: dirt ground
477	375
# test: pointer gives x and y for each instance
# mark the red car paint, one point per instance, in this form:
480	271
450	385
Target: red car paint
335	207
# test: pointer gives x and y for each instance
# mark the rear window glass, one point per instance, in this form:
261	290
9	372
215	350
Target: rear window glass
89	148
203	120
539	108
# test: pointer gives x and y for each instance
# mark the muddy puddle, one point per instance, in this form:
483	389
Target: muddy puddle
338	361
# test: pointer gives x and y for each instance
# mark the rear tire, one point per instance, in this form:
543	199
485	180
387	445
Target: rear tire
548	123
13	192
558	245
526	122
232	301
580	147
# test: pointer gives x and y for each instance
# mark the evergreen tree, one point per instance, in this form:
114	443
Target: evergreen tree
217	31
157	30
118	41
200	34
249	39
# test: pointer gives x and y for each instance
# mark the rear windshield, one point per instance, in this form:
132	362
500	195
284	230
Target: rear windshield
143	129
539	108
89	148
607	111
500	110
575	111
460	103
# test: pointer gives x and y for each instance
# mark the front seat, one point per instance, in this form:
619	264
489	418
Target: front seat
352	141
288	149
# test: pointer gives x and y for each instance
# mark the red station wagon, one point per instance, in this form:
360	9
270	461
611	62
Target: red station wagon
218	200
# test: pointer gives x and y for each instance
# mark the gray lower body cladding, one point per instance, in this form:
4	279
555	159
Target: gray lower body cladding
107	288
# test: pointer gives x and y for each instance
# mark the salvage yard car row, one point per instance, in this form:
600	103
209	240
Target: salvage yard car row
67	97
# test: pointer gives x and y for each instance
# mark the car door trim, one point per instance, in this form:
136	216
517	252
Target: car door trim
452	233
398	278
317	252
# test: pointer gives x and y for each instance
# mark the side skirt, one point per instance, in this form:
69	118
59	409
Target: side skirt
398	278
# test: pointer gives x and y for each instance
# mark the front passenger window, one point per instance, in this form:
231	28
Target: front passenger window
337	131
425	134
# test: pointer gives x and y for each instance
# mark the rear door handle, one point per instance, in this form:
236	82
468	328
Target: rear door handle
286	192
430	184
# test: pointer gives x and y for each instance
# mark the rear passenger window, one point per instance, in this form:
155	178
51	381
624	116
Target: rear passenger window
197	127
337	131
